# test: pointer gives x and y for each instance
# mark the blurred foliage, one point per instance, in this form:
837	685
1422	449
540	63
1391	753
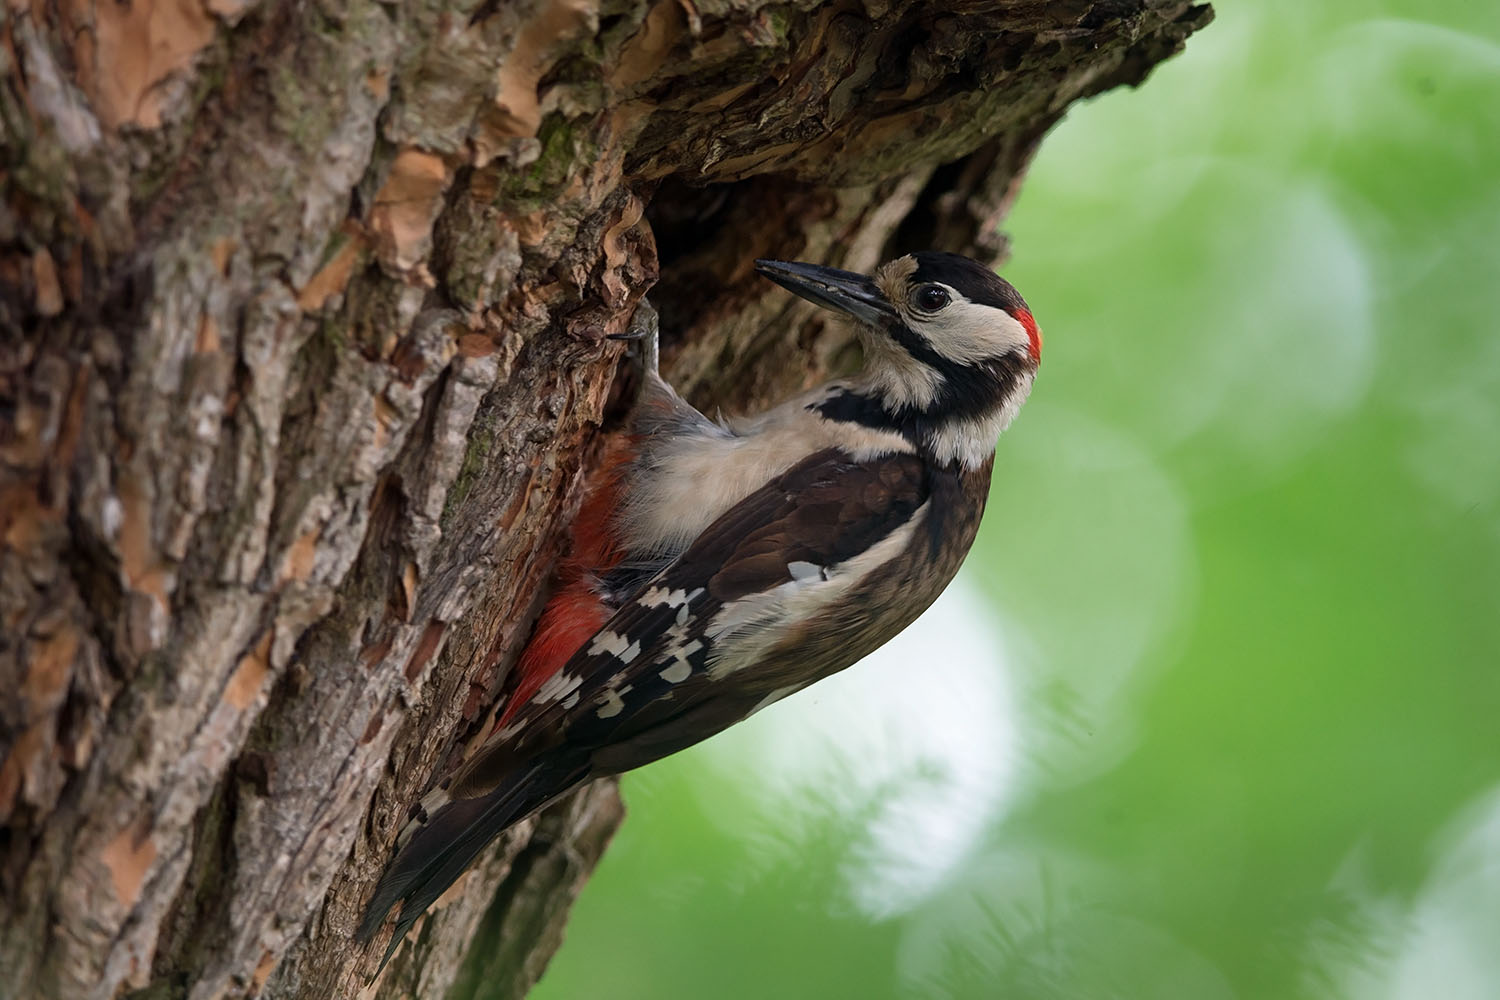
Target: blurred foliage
1216	712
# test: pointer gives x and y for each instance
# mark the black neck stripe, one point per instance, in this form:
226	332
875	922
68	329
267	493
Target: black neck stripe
965	391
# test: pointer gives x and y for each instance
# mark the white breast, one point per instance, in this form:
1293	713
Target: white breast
684	482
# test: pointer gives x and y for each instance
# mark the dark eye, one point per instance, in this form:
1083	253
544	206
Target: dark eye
931	298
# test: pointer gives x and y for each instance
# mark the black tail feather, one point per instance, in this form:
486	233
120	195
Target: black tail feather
440	851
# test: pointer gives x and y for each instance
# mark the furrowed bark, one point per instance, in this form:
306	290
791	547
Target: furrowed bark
302	356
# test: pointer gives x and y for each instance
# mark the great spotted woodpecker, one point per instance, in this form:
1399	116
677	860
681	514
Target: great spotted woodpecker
718	567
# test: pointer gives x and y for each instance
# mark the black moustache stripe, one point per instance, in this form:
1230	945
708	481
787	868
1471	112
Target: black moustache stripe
964	391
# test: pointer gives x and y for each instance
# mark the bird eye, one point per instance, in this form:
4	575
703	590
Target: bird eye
931	298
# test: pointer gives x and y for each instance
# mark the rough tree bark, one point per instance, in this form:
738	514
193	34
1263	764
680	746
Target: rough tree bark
301	307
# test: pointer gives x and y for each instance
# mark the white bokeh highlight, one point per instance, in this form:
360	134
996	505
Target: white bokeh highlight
1442	944
915	746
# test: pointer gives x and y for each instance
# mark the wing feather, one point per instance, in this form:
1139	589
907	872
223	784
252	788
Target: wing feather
643	686
822	512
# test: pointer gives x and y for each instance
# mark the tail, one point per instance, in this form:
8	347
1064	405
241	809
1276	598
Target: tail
439	852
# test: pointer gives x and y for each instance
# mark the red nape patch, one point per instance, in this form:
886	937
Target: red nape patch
1032	334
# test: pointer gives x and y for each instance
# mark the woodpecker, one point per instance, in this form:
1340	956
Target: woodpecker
718	567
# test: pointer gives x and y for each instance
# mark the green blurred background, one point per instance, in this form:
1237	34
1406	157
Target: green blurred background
1214	709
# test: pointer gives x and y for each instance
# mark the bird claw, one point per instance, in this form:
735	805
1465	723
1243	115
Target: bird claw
644	335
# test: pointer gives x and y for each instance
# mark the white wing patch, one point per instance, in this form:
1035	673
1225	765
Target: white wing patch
801	570
614	702
559	685
745	629
680	670
616	645
657	596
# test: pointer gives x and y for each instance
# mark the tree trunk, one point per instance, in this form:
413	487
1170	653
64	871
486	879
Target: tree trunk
301	362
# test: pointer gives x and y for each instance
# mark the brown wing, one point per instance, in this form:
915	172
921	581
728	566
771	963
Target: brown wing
641	689
647	668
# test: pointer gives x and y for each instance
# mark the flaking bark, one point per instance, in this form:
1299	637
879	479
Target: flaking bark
302	310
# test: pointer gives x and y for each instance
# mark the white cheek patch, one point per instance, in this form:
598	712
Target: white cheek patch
968	332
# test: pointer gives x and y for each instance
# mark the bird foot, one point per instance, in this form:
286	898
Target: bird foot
644	335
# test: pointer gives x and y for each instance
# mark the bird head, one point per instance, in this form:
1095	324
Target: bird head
950	347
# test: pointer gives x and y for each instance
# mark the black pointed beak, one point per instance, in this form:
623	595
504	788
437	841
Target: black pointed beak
831	288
